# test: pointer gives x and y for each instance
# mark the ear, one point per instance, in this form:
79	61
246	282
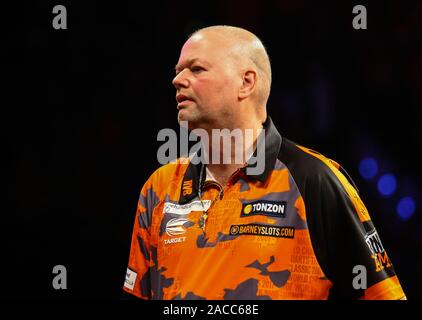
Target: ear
248	84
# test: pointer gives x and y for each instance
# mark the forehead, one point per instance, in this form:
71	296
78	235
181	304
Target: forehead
203	47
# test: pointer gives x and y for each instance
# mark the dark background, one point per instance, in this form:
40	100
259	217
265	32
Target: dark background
81	109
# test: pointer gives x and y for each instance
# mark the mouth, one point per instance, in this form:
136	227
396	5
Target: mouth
183	100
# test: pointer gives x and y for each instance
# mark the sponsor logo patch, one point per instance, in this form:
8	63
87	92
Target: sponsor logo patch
187	187
174	240
130	279
379	255
262	230
265	208
374	242
176	226
184	209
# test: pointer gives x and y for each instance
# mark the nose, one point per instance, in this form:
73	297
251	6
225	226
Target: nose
180	80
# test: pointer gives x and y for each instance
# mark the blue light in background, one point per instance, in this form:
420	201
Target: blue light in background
406	208
387	184
368	168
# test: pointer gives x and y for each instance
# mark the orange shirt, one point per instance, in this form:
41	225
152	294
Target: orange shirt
296	231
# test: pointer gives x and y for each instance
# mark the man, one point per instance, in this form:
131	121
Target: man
295	230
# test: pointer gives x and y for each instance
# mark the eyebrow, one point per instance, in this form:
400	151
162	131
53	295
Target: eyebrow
178	67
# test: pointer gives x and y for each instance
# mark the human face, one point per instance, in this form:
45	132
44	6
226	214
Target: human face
206	82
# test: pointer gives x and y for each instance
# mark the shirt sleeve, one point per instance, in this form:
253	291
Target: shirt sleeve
141	257
346	242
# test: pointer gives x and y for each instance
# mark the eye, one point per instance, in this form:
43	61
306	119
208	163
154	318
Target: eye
197	69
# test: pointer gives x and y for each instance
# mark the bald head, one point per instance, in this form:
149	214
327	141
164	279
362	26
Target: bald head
246	50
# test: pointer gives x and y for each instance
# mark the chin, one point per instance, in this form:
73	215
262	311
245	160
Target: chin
191	119
182	117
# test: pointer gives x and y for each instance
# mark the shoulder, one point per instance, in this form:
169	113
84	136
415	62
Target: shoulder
168	176
173	169
319	178
306	163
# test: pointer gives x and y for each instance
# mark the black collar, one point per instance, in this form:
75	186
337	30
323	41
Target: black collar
190	183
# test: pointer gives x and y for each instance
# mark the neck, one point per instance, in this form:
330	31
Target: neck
229	149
